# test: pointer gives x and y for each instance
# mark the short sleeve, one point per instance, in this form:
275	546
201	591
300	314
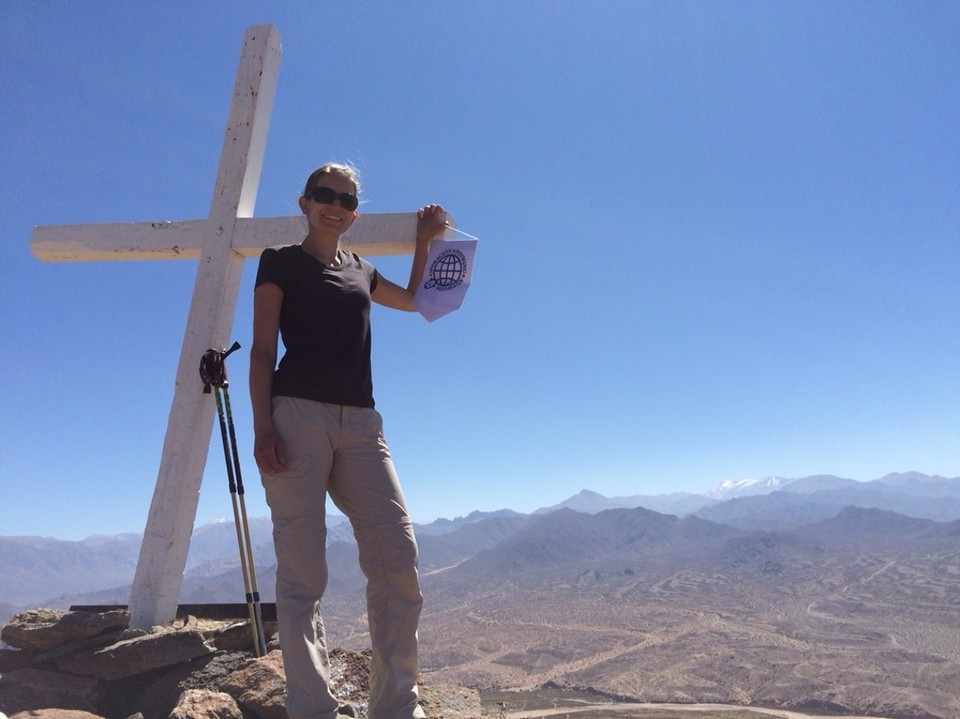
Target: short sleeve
270	269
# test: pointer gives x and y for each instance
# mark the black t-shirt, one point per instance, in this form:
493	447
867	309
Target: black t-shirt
324	325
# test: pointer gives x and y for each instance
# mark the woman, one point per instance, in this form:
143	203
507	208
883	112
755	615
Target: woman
317	432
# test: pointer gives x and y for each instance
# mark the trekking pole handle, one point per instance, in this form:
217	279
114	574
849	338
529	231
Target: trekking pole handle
213	372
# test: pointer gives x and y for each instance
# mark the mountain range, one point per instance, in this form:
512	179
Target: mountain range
54	573
816	594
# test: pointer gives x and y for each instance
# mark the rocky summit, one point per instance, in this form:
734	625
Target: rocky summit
89	664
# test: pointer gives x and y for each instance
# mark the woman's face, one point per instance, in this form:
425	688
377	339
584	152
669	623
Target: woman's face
332	217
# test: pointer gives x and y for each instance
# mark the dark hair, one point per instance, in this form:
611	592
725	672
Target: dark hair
333	168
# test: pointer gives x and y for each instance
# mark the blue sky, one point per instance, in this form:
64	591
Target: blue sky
718	240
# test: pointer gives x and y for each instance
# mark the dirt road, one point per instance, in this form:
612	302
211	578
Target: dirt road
598	711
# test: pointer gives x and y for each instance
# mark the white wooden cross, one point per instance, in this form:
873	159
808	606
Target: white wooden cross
220	242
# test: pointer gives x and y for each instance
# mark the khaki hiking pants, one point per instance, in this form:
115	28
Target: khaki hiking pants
341	451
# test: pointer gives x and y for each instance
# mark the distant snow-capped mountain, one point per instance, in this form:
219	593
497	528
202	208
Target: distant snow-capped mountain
590	502
745	487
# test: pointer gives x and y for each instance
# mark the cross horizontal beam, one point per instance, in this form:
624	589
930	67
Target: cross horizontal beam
371	235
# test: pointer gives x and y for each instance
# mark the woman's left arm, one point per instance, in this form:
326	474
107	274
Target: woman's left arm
430	224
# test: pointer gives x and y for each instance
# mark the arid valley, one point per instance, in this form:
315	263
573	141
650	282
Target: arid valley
866	625
818	599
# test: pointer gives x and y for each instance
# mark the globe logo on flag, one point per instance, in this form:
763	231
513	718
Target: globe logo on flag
447	270
450	264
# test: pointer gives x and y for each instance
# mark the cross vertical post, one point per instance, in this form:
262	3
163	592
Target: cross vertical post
166	538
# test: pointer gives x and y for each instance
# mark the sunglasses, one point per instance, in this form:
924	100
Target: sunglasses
327	196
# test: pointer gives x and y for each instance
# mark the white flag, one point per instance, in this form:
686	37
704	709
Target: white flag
446	277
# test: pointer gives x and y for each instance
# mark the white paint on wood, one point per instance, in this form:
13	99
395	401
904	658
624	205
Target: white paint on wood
166	539
378	234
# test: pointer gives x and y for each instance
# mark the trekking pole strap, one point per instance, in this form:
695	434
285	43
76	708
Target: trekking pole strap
213	370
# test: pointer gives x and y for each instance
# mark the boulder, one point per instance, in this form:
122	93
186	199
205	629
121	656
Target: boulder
86	665
13	659
90	643
237	637
40	630
206	704
137	656
259	686
156	697
34	688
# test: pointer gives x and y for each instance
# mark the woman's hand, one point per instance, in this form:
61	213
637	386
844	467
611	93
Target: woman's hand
431	221
268	451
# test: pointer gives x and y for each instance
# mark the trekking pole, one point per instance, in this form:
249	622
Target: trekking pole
213	372
261	638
